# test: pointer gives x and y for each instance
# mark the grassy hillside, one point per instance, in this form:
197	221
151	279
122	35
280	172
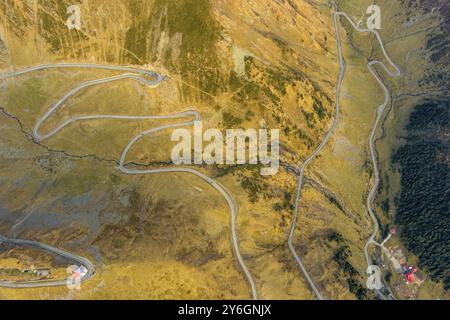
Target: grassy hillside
241	64
237	72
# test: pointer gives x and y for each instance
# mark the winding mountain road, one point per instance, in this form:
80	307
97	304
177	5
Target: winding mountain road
140	76
330	132
380	111
54	251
